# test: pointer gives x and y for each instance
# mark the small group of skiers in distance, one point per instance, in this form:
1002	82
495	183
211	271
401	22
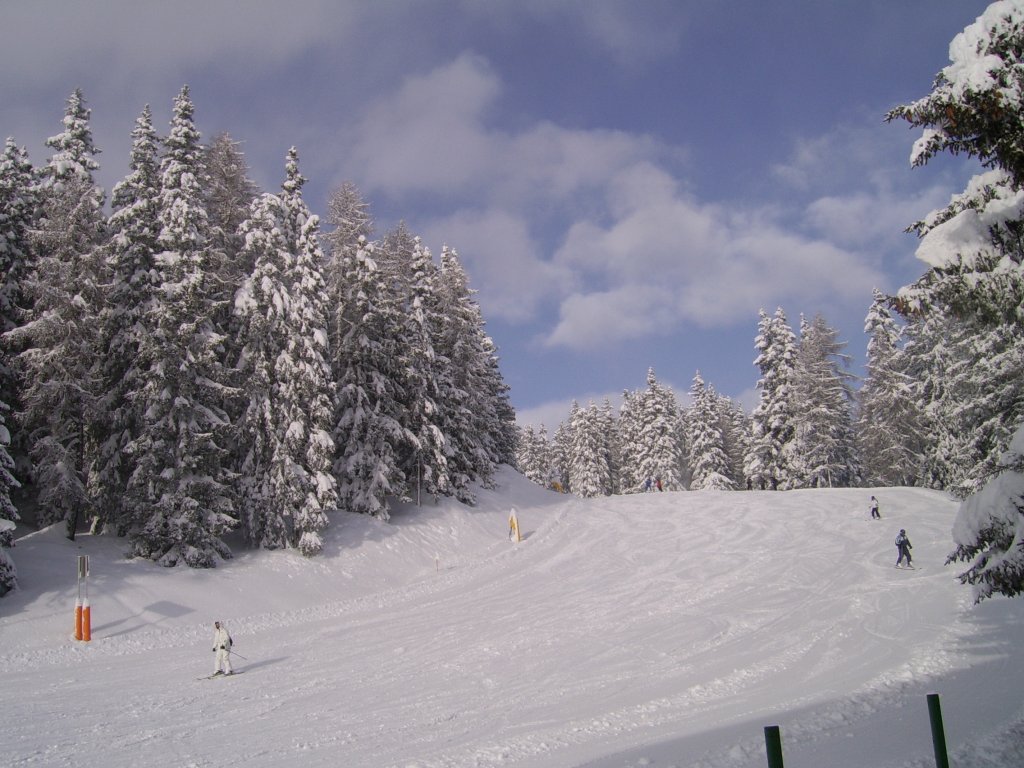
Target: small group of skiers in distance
903	545
651	483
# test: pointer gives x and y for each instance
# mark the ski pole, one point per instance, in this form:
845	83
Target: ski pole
238	655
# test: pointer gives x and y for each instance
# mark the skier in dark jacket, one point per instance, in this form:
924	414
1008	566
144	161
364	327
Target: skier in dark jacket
903	546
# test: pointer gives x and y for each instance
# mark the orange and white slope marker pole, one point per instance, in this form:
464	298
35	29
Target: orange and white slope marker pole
83	614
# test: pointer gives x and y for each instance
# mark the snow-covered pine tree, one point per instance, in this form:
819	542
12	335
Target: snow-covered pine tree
132	282
889	439
8	512
426	377
974	253
968	378
369	430
659	450
466	411
527	460
533	456
261	307
543	450
287	484
709	462
304	381
989	529
228	193
349	216
766	464
17	220
58	341
561	455
822	452
475	408
610	444
180	488
588	467
501	428
735	425
18	206
628	428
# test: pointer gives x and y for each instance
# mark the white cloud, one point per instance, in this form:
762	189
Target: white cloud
433	136
598	318
136	37
640	254
666	260
429	136
632	34
503	261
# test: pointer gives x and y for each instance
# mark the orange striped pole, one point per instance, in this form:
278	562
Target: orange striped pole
78	619
86	621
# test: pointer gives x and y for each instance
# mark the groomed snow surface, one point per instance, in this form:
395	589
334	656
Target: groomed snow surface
663	629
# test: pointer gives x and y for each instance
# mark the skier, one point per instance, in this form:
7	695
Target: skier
903	546
875	514
221	647
647	485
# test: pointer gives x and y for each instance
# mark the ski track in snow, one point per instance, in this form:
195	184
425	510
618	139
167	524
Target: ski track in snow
648	630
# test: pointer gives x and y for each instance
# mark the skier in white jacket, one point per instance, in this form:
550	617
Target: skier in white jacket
222	649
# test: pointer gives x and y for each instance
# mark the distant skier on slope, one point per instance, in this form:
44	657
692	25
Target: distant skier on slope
221	647
903	546
875	514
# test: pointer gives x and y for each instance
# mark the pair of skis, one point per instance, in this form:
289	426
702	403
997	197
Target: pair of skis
220	674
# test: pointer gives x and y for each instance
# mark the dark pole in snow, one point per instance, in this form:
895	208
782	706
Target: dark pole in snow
773	744
938	732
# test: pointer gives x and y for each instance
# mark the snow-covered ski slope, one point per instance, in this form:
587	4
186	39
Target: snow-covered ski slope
649	630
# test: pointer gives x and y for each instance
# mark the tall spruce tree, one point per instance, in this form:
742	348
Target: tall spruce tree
132	282
736	432
477	414
561	455
589	471
768	460
59	338
306	387
180	487
369	430
709	462
18	208
976	278
349	215
610	445
228	193
425	379
8	512
628	433
659	449
890	443
261	305
823	452
287	484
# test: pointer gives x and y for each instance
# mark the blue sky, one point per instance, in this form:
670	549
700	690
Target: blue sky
627	183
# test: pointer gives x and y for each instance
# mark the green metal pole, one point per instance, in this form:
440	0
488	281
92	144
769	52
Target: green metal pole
773	744
938	732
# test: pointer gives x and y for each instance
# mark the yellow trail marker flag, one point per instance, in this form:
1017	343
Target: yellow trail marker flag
513	527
